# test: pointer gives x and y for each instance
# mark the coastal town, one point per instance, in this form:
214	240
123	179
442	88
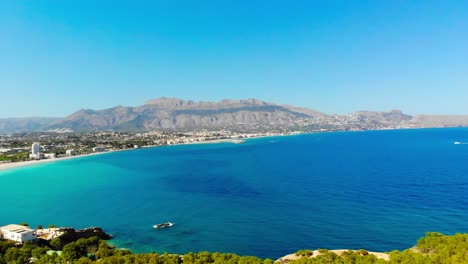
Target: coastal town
27	147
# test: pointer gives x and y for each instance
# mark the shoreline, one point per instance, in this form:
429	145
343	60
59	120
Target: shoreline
13	165
19	164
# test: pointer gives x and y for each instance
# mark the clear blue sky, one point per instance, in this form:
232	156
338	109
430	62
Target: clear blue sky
335	56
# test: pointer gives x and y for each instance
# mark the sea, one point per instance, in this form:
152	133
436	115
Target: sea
268	197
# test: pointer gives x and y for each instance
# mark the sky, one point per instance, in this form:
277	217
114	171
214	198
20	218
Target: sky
57	57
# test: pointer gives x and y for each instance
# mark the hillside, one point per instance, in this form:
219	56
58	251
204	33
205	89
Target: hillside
251	115
8	125
435	248
177	114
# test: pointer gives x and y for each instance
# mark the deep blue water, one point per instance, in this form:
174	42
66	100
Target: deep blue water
379	190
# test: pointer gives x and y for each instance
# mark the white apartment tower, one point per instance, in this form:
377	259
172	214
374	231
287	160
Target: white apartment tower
36	151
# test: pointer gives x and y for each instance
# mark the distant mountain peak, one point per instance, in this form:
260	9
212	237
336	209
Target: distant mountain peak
165	100
174	100
178	114
169	113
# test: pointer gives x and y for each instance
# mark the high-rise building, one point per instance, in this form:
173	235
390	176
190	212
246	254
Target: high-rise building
35	148
35	151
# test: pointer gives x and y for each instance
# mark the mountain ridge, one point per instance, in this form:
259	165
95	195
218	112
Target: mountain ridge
169	113
177	114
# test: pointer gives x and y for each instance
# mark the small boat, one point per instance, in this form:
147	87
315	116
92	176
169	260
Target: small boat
457	143
163	225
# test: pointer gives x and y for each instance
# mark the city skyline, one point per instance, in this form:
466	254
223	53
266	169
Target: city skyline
332	56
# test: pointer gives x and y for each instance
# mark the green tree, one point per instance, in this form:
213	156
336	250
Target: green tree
56	243
72	251
38	252
83	260
5	245
103	250
14	255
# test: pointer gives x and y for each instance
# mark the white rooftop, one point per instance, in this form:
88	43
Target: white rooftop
16	228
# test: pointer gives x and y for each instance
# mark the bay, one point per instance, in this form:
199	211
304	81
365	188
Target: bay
379	190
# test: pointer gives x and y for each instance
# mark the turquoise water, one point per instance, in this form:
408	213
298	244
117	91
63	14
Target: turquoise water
379	190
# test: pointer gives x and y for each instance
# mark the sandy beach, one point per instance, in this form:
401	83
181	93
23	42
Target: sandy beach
11	165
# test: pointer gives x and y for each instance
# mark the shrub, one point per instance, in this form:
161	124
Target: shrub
304	253
363	252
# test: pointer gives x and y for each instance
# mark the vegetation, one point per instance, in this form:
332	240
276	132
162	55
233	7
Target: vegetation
432	249
14	157
435	248
305	253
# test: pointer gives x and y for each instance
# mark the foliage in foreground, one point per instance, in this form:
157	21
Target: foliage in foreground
432	249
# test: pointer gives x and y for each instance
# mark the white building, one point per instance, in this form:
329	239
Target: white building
17	233
98	149
35	151
70	152
37	156
50	155
35	148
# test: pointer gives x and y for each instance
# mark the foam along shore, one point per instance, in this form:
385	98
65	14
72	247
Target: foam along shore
11	165
316	253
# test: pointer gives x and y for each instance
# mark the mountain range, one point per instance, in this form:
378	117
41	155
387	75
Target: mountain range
249	115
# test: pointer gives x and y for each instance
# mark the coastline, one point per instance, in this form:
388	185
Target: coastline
12	165
19	164
251	143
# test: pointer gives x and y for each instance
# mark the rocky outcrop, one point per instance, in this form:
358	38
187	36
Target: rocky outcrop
71	234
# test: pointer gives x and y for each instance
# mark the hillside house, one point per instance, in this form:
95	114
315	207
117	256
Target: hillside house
17	233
